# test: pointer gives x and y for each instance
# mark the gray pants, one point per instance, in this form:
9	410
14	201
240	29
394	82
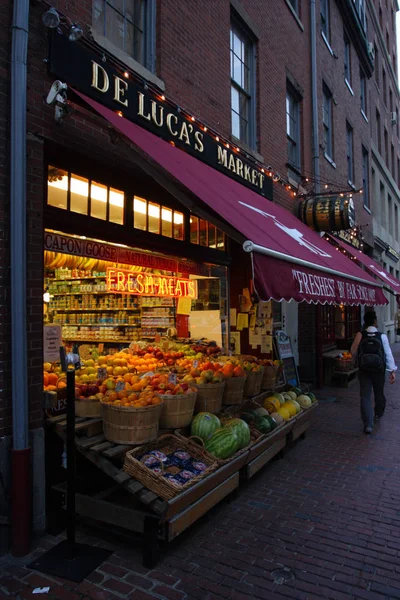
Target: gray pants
369	382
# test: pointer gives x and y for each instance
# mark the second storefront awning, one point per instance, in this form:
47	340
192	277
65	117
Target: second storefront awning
373	267
290	261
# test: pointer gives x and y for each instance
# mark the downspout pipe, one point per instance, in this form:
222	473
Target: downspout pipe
21	454
314	95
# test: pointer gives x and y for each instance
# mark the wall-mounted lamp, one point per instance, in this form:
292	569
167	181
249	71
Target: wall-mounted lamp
51	18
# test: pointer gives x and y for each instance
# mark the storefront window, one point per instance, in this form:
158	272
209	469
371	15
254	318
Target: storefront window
154	217
139	213
203	232
194	230
79	194
116	205
98	201
178	225
166	222
57	194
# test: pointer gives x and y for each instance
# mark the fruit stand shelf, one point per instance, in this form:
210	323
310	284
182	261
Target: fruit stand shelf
94	309
142	511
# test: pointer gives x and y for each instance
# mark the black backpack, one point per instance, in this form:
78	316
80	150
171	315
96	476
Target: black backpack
371	355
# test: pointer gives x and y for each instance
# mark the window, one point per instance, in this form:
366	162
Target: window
378	130
392	160
365	176
376	64
387	41
398	172
349	152
381	17
391	100
293	128
129	25
396	222
295	5
324	8
161	220
83	196
386	138
327	120
347	59
390	216
363	92
206	234
242	86
384	86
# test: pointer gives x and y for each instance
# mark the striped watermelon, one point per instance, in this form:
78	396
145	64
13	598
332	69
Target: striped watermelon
241	430
204	425
223	444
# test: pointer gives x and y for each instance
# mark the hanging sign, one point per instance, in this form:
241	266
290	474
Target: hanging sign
147	284
285	353
51	343
85	70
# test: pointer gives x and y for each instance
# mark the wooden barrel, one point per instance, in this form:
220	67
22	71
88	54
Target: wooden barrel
209	397
130	425
177	410
327	213
233	390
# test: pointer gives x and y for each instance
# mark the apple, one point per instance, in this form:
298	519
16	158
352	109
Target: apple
84	389
93	390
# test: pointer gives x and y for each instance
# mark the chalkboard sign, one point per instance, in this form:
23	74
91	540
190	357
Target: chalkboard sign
284	351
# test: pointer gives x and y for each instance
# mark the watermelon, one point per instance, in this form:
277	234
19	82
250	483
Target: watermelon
204	425
249	418
272	422
312	397
223	443
296	390
263	425
241	430
261	412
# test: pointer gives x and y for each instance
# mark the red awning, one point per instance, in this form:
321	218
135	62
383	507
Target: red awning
373	267
290	260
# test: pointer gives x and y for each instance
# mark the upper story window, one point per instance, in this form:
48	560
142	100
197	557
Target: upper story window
327	120
324	9
365	175
242	53
378	131
376	64
384	86
293	128
295	4
84	196
129	25
347	59
363	92
349	153
205	233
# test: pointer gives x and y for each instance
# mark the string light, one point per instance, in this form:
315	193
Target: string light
162	97
126	74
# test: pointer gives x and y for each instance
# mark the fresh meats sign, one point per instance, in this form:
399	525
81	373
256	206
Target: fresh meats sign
332	289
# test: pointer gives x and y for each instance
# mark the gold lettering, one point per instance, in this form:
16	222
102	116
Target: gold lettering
120	87
169	118
254	177
95	78
247	173
154	107
239	167
222	156
184	134
141	107
261	179
231	164
198	136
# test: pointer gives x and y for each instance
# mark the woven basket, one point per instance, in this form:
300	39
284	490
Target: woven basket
130	425
165	488
252	387
255	436
177	410
268	381
233	391
88	408
209	397
344	365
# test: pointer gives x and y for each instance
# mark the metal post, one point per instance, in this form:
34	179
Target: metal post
21	478
314	94
71	466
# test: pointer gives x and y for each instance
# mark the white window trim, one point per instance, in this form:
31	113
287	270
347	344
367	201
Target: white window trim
295	14
349	86
330	160
327	43
364	115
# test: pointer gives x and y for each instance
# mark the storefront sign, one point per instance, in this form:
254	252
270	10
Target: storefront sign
147	284
391	252
346	237
65	244
318	286
51	343
84	70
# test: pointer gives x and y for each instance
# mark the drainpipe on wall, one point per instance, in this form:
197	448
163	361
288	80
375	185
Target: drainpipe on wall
314	95
21	453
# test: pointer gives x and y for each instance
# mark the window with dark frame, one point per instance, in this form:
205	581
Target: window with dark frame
349	152
378	131
324	12
129	25
295	5
293	129
376	63
386	140
242	56
365	176
327	120
384	86
392	160
347	59
363	92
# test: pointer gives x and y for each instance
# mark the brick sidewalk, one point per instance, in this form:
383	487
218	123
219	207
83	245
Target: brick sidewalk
324	522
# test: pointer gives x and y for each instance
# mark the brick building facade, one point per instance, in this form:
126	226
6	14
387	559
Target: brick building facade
187	59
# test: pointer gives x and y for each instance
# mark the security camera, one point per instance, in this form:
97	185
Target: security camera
57	97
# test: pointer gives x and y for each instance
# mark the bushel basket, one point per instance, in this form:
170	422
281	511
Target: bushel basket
170	477
88	408
233	391
252	387
209	397
177	410
268	381
130	425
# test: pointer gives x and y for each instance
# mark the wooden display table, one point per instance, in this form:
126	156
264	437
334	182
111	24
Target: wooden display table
126	504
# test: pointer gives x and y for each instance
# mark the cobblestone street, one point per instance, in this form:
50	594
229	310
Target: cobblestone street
324	522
